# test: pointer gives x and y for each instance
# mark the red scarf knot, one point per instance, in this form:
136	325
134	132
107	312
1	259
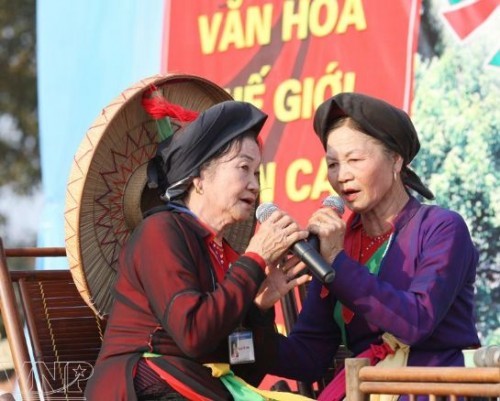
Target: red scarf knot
379	352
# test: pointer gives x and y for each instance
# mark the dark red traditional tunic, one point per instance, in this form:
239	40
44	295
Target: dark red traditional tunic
168	301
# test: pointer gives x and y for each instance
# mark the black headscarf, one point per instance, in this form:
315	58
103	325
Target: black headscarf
179	157
380	120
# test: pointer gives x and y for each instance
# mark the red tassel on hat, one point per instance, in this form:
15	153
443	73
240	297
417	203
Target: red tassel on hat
158	107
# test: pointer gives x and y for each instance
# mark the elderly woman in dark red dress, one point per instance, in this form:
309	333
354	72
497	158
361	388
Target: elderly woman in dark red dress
182	294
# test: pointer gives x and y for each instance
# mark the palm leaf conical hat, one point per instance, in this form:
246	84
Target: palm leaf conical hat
107	192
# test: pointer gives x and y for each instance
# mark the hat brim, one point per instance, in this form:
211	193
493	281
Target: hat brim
106	192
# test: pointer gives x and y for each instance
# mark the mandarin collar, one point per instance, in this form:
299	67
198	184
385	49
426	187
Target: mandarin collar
404	216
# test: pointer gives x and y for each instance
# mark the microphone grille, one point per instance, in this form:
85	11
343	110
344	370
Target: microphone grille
264	211
335	202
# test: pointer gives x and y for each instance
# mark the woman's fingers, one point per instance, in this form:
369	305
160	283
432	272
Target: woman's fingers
294	268
275	236
299	281
297	269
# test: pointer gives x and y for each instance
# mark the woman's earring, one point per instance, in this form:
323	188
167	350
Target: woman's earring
198	190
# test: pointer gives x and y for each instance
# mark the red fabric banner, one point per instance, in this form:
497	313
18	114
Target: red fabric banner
286	58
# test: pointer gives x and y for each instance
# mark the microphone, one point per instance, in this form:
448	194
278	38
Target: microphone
302	249
334	202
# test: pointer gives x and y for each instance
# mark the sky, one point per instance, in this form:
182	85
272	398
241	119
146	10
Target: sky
23	214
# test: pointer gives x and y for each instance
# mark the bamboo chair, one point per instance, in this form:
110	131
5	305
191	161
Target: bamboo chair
436	383
63	333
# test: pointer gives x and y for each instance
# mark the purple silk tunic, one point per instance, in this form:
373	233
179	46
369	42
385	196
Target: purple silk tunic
423	295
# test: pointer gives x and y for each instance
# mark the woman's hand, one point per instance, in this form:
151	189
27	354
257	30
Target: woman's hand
330	229
275	236
280	279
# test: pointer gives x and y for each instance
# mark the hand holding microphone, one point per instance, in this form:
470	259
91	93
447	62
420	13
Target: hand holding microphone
303	249
332	202
277	233
327	224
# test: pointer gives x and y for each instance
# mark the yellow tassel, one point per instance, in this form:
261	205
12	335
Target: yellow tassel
223	370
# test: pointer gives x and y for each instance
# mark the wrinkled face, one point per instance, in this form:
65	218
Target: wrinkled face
360	168
231	184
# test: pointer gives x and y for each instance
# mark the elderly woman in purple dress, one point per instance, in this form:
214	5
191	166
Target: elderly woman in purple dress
404	271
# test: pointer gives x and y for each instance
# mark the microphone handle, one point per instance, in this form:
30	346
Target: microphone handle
317	265
314	241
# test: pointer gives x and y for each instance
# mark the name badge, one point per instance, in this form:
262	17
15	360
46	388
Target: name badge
241	349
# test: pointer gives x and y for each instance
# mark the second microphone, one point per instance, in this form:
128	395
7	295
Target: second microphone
306	252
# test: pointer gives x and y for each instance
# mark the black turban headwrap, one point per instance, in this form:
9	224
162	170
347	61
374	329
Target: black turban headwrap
380	120
179	157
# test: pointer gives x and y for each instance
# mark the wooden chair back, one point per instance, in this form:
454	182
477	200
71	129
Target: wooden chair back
62	332
436	383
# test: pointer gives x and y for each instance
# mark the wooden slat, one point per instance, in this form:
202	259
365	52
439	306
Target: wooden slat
35	252
431	374
435	382
440	389
13	328
62	327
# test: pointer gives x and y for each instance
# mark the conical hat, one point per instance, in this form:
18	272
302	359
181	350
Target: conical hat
107	193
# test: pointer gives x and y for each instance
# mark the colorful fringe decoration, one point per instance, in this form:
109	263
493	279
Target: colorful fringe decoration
161	110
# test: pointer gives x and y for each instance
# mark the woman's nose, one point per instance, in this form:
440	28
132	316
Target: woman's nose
254	184
344	173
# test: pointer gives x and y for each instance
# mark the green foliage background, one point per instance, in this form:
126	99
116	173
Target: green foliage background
20	157
456	112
